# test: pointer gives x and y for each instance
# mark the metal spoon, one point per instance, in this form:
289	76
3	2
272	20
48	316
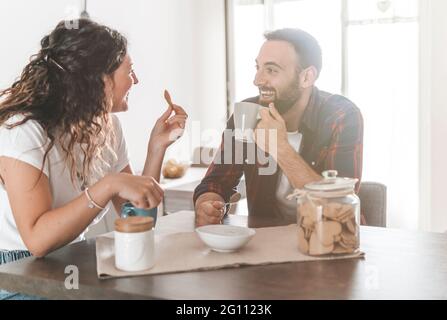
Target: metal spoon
233	200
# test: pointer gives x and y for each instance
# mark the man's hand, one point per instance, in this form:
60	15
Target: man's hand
209	209
271	120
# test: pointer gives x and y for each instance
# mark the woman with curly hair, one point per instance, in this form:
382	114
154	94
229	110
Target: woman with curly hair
63	157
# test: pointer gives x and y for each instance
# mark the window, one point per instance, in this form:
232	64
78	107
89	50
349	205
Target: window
382	78
248	37
370	54
251	20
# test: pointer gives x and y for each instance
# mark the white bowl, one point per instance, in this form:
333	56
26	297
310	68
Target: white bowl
225	238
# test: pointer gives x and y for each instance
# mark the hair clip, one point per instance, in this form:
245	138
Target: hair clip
48	59
57	64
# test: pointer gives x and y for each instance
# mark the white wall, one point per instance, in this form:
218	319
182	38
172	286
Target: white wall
22	25
434	114
178	45
175	44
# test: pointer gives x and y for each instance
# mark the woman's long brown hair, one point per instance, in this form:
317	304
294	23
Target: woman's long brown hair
62	88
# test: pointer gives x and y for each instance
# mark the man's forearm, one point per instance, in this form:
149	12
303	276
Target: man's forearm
295	168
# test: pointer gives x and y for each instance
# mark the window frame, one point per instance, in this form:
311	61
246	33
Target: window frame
269	7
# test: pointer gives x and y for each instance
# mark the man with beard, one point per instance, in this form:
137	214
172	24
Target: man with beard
315	131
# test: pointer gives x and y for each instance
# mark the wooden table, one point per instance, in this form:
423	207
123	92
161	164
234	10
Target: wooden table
398	265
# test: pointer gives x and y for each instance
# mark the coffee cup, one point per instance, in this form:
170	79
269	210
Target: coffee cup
246	117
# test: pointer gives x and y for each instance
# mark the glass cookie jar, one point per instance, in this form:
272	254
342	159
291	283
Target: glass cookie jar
328	216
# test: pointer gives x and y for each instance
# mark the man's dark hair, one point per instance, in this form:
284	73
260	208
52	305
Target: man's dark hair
306	46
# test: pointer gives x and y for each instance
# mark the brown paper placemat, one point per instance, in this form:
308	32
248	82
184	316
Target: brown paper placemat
181	252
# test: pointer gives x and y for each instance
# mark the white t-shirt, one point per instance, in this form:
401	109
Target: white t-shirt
287	208
27	143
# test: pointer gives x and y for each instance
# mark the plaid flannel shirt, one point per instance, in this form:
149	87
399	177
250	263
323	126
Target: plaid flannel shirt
332	129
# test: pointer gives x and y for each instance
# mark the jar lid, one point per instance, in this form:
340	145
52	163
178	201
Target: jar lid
134	224
331	182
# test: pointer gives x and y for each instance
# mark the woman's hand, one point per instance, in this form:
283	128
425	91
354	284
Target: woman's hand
141	191
168	128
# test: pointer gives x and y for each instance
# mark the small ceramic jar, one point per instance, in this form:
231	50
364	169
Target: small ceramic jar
134	243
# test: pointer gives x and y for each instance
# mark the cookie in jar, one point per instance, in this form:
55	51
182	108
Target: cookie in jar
328	216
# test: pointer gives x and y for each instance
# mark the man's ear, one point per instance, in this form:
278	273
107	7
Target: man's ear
308	77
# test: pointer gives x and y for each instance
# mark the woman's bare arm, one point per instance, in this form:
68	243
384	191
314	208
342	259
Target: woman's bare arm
44	228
